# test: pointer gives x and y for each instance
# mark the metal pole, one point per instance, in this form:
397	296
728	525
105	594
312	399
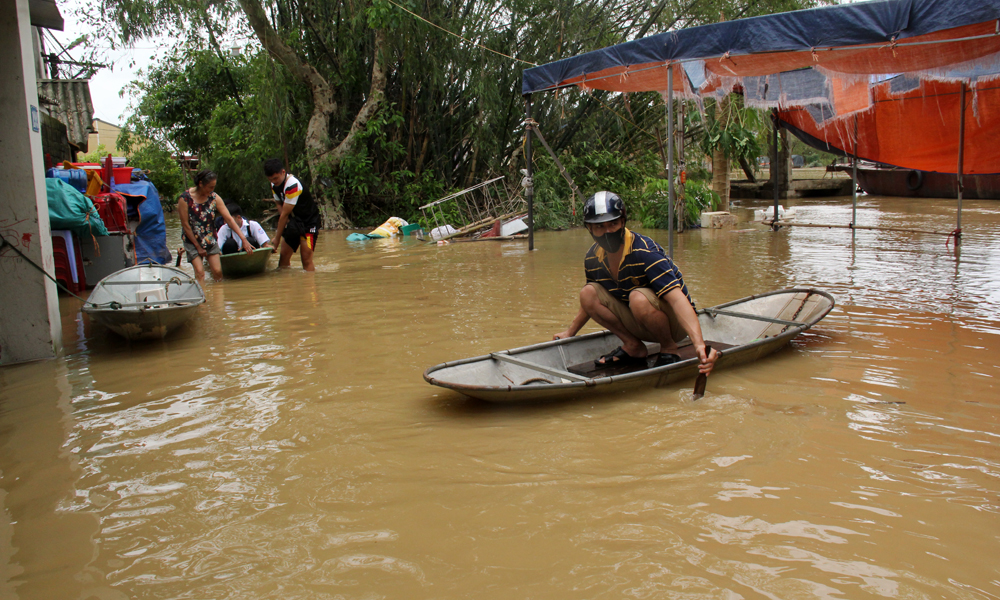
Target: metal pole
961	156
775	167
529	191
854	178
670	161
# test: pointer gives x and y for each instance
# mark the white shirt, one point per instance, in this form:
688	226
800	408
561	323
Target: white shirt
251	231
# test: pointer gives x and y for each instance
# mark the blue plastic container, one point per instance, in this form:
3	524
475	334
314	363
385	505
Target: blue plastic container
75	177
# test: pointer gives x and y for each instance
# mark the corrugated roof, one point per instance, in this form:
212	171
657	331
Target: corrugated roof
73	106
45	13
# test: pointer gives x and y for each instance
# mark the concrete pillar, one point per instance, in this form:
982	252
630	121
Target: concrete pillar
30	328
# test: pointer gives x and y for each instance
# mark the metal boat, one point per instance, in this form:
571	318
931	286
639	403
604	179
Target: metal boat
742	331
879	180
241	264
144	302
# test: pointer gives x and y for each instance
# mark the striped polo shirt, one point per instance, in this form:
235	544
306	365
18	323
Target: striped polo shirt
643	264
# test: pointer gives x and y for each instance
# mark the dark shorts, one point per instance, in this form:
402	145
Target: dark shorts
621	310
297	232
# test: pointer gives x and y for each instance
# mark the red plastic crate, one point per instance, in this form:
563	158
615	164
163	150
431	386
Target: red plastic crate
64	272
111	207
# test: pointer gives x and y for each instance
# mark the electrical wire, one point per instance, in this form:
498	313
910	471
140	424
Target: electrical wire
5	244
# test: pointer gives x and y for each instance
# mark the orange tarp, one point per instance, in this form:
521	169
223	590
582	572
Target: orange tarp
917	129
930	51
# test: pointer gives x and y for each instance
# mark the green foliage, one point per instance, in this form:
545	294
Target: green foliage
592	171
371	196
162	170
811	156
652	206
698	197
97	155
737	138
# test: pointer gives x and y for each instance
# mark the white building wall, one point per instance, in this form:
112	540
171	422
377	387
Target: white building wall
30	328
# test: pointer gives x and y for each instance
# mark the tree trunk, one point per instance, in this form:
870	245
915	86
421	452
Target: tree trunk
423	153
786	163
720	164
779	156
720	178
747	170
321	154
681	190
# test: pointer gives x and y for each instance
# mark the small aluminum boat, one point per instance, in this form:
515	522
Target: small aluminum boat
145	301
241	264
742	331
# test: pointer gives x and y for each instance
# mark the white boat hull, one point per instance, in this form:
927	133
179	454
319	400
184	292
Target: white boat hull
144	302
542	371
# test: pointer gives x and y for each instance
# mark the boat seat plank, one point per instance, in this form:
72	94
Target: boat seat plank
536	367
594	371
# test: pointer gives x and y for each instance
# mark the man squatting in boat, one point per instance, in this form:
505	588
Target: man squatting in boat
634	290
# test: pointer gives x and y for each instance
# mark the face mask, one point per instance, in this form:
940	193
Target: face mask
610	241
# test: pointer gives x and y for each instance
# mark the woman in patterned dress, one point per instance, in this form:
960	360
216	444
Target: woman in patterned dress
197	208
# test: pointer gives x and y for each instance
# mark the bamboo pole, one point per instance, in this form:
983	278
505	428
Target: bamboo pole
854	178
529	192
775	167
961	156
670	161
849	226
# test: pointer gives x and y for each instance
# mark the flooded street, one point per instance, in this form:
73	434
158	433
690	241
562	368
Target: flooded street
284	444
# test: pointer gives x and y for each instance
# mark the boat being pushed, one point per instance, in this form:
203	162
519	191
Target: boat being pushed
741	331
242	264
144	302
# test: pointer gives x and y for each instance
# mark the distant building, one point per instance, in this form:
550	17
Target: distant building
105	133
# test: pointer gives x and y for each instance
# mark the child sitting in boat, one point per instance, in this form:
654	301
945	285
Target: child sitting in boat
252	231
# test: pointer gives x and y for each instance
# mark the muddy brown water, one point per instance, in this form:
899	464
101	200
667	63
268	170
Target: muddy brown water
284	445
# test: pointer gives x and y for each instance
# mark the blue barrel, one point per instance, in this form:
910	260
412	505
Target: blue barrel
75	177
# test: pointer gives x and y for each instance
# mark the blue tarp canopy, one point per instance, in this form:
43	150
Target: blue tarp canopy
931	38
151	233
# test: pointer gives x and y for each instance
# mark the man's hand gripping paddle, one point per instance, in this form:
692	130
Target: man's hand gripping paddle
702	380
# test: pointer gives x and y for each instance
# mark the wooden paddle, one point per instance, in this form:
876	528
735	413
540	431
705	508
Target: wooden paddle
702	379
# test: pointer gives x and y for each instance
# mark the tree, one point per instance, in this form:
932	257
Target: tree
97	155
142	18
384	106
322	152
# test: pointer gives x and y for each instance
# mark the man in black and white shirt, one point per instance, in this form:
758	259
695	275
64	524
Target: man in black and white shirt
298	217
252	231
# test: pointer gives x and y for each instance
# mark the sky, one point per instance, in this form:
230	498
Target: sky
107	84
